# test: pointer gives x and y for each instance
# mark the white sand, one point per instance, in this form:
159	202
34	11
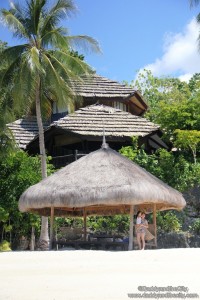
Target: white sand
79	274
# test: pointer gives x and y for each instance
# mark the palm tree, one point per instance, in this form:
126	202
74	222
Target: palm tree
40	69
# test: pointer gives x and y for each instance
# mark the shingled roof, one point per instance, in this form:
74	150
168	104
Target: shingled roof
90	120
24	130
101	87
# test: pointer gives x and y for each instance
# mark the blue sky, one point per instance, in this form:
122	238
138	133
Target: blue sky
133	34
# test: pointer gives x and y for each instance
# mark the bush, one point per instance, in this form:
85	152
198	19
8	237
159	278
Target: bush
5	246
18	171
195	227
168	222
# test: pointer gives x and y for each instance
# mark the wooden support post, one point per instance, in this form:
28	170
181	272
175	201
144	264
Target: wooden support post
32	244
130	246
51	228
85	223
76	154
154	223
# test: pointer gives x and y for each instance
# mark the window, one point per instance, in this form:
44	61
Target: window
120	105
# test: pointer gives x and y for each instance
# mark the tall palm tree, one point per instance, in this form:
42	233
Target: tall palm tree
40	69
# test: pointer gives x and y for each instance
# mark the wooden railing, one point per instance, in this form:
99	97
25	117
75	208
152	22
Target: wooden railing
63	160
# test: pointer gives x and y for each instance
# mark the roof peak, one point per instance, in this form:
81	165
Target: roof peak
104	144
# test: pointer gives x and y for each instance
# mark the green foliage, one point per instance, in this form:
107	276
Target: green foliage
4	215
172	104
17	172
195	227
188	139
172	168
114	224
68	222
168	222
5	246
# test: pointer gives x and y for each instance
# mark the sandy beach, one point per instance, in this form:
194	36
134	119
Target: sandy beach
88	274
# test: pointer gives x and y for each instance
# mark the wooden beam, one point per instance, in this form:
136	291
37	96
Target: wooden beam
154	223
85	223
51	228
96	207
130	246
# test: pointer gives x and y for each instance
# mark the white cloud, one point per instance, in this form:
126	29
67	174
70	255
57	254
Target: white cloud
180	54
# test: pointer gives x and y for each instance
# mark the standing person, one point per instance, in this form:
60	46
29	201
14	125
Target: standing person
137	228
141	226
144	226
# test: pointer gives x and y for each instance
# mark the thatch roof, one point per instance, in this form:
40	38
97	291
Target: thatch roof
24	130
103	182
90	120
95	86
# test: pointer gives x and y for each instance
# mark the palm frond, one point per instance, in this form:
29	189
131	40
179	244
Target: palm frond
6	74
11	57
23	91
13	23
61	10
8	55
84	42
33	58
53	78
35	12
46	105
72	64
55	38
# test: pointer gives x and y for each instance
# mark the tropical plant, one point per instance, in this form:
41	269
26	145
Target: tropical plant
17	172
44	64
5	246
170	222
195	227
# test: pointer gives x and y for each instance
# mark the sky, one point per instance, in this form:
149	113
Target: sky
159	35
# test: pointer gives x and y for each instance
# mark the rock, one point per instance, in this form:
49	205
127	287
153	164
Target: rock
23	244
172	240
194	241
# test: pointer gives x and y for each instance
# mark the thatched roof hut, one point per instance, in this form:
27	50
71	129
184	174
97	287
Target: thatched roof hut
101	183
104	182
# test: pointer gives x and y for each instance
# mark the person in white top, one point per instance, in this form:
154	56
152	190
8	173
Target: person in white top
141	226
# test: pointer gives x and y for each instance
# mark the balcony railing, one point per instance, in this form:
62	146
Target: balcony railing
62	161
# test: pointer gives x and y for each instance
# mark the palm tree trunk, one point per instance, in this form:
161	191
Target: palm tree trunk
41	132
43	243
